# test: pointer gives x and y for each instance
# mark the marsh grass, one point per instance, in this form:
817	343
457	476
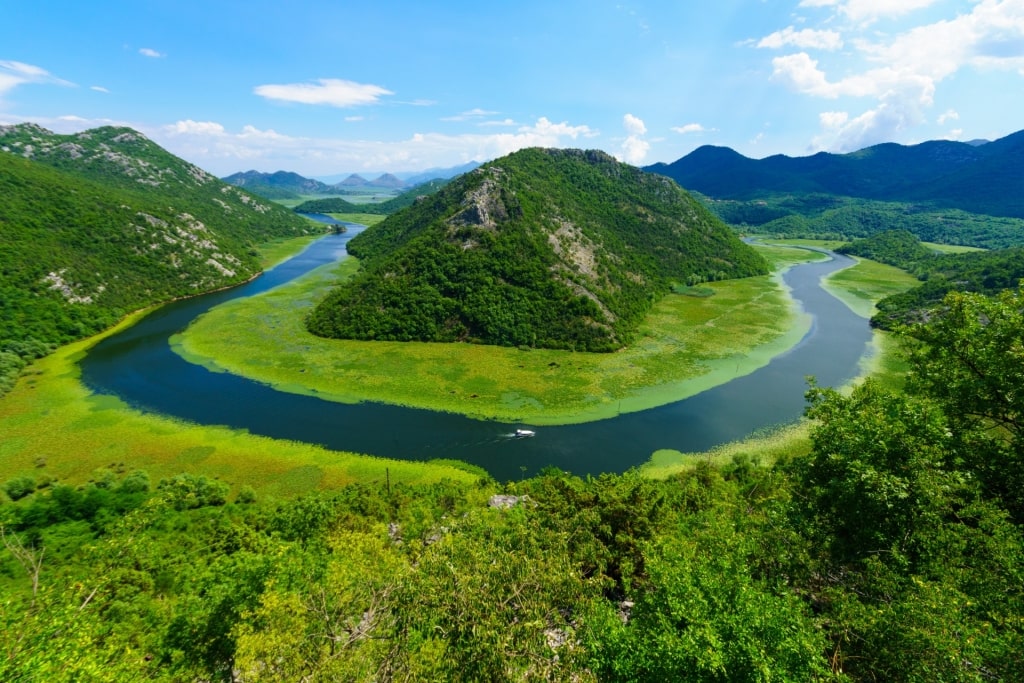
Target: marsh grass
686	345
867	283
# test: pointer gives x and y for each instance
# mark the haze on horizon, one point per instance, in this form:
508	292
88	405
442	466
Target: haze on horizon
398	86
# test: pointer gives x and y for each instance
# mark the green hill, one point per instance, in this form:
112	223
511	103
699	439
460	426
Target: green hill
546	248
98	224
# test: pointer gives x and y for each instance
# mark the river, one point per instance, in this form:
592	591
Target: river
138	365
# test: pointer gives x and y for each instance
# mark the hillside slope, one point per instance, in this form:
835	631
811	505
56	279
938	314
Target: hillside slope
95	225
546	248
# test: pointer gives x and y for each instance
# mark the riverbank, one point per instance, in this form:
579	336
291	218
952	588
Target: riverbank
56	430
687	345
859	287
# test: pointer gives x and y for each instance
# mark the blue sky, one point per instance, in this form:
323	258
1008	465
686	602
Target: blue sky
323	88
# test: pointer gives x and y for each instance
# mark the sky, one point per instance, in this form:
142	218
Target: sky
336	87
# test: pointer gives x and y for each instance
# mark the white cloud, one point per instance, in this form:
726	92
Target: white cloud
633	125
634	147
470	115
948	115
806	39
211	146
13	74
331	91
503	122
98	88
353	119
902	72
190	127
150	52
687	128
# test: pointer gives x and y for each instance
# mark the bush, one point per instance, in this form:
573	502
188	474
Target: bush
19	487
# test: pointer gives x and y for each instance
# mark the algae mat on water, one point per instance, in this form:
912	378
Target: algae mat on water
686	345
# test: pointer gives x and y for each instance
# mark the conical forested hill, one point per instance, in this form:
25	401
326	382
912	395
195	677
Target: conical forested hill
545	248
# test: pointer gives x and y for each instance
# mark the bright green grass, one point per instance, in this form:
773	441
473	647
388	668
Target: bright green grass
950	248
867	283
275	252
53	427
363	218
685	346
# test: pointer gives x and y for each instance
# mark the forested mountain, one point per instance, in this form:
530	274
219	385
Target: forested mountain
547	248
986	178
97	224
385	208
279	185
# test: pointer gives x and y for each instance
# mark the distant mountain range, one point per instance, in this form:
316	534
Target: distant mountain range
977	176
288	185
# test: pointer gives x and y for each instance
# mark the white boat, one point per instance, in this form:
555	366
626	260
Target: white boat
524	433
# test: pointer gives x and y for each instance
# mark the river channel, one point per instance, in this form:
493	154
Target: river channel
139	366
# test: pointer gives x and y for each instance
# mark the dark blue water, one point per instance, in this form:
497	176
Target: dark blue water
139	366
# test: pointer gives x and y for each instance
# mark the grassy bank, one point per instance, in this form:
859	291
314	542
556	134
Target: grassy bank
687	345
55	429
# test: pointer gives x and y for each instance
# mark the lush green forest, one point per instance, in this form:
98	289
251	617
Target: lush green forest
98	224
542	248
820	216
385	208
892	551
988	272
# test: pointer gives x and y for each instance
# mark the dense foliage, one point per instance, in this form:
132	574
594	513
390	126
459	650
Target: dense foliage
833	217
384	208
979	178
898	248
543	248
98	224
989	272
892	551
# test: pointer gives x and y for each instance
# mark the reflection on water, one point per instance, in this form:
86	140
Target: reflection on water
139	366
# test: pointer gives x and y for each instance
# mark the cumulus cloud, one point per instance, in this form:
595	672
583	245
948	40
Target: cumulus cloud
211	146
688	128
330	91
634	147
150	52
633	125
13	74
806	39
902	72
948	115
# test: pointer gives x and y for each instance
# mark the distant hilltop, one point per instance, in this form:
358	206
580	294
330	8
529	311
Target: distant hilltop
288	185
